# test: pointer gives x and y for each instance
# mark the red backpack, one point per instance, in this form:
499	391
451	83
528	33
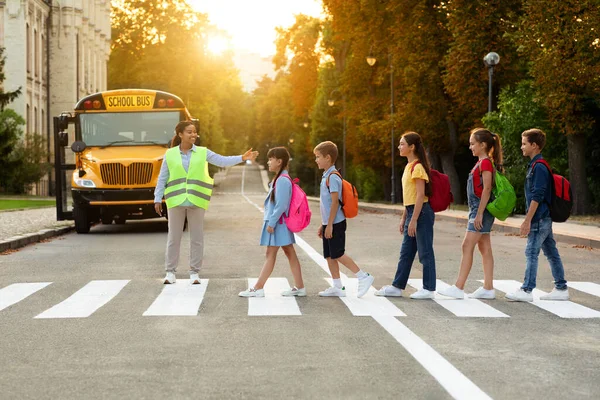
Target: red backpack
349	199
562	198
441	194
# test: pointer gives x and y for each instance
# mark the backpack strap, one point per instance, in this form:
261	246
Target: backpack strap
412	169
545	163
292	182
481	172
336	172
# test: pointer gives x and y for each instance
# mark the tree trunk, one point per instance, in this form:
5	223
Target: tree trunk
577	174
448	167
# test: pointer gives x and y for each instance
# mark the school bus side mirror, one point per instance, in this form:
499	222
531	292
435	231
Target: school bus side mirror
63	139
78	146
63	122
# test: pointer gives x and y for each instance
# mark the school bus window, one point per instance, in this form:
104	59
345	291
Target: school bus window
128	129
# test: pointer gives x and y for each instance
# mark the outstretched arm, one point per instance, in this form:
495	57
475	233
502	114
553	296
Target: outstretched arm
229	161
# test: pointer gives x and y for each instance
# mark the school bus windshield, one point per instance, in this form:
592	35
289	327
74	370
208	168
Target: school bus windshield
128	129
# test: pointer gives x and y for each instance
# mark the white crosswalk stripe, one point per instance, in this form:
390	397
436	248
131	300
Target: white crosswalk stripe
16	292
586	287
369	305
564	309
181	298
86	300
184	299
461	308
273	303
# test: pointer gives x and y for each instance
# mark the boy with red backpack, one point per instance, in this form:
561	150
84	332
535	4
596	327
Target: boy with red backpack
538	221
333	228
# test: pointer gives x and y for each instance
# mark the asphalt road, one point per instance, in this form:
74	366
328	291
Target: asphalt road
83	334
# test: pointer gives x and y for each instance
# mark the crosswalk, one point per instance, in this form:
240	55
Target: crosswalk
184	299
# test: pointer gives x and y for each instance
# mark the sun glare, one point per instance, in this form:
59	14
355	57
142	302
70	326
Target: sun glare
217	45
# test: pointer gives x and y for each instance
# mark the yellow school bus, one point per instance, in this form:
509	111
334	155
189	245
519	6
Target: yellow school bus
117	142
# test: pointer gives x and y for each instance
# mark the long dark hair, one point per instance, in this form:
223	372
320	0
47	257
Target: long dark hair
280	153
179	128
493	145
413	138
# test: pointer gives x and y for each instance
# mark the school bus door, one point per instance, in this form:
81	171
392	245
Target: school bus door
64	165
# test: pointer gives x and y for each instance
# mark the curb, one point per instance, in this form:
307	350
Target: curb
16	242
499	226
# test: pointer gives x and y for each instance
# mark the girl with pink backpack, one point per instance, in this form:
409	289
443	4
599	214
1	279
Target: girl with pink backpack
275	232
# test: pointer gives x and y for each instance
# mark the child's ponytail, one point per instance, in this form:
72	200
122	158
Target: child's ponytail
414	138
280	153
497	152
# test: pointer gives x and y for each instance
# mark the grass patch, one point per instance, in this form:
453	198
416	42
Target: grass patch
10	204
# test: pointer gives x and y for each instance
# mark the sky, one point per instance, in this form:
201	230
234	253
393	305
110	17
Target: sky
251	23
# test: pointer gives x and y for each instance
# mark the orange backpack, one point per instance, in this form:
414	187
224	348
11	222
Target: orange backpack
349	199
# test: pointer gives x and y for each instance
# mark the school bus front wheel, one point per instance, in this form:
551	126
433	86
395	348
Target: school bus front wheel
82	219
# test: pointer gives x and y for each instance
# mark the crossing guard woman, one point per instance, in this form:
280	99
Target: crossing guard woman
187	187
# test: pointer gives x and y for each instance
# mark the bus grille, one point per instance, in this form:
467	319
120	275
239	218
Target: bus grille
118	174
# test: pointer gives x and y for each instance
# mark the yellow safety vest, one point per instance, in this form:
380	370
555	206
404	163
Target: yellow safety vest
194	185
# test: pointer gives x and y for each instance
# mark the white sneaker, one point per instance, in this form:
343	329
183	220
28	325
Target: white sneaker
389	291
294	292
422	294
251	292
519	295
169	278
333	292
452	291
556	294
483	293
364	284
194	278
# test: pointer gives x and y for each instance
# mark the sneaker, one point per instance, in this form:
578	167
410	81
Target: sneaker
452	291
194	278
364	284
556	294
483	293
422	294
169	278
389	291
251	292
519	295
333	292
294	292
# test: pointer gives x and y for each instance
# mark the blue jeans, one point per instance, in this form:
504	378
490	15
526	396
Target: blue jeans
423	243
540	237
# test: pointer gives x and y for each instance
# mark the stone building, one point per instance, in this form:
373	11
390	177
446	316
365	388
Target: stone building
56	52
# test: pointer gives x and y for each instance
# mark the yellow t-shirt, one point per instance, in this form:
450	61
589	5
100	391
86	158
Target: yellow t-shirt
409	186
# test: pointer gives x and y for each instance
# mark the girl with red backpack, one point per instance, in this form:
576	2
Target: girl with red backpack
417	221
275	233
486	146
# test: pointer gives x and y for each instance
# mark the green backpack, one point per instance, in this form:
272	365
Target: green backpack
504	197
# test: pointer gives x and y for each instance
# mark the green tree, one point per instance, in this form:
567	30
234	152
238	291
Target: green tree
5	97
560	39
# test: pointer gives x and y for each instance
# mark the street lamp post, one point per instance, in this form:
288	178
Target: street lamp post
371	60
331	103
491	59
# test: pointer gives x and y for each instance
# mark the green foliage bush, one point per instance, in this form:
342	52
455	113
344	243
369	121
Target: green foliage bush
367	182
22	162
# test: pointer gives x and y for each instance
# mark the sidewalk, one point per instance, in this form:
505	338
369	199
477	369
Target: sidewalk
565	232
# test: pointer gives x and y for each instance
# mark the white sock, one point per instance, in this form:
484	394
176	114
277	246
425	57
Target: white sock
361	274
337	283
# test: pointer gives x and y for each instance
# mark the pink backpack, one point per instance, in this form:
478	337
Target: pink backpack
299	215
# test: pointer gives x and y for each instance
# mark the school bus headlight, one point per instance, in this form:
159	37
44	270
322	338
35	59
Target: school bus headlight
86	183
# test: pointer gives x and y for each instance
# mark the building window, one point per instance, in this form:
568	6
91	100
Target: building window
36	56
28	120
43	131
35	120
28	49
44	55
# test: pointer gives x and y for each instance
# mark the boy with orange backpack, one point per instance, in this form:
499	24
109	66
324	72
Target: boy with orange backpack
333	228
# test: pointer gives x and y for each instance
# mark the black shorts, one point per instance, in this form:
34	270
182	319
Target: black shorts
336	246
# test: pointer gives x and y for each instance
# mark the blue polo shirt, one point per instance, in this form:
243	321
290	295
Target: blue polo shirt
335	185
538	187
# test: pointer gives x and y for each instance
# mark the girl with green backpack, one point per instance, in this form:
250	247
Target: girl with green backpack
486	146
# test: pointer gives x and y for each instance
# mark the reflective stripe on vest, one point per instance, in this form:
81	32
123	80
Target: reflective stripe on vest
195	185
